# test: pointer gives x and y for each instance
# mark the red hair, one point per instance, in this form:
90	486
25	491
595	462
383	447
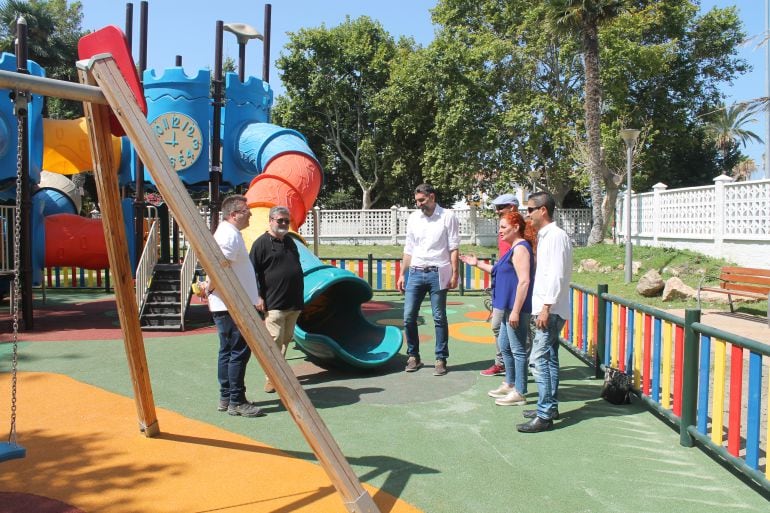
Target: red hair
526	231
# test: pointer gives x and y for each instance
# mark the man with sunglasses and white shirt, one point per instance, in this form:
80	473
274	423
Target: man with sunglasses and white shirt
550	307
275	258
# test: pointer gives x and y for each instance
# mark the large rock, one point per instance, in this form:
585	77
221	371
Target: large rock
651	284
589	265
676	289
635	266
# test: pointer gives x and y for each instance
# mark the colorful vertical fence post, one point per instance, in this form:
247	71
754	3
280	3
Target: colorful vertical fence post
718	407
656	361
646	358
704	378
754	412
690	381
736	392
602	331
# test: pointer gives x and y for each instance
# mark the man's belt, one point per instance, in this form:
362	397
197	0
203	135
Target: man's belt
425	269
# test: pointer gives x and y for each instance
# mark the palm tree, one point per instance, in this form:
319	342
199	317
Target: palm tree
726	127
743	170
582	18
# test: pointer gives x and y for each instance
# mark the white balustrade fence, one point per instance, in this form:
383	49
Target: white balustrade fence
728	220
388	226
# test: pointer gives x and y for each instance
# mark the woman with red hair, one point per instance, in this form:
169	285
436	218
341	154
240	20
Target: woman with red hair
513	277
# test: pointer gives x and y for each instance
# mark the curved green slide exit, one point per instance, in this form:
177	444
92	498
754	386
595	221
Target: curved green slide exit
332	327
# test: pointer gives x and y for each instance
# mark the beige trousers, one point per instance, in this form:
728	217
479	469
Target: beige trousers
280	324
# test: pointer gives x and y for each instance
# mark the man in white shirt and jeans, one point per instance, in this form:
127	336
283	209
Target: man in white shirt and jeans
431	259
550	307
234	353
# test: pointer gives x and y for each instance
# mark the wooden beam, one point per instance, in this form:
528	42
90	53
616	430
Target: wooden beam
117	250
104	72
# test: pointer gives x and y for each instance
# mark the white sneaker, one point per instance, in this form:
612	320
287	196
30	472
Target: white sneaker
513	398
501	391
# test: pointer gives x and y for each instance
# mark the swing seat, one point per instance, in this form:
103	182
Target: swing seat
11	451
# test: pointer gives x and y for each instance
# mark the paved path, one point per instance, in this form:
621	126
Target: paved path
745	325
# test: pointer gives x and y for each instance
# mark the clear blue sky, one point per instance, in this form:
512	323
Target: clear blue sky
186	28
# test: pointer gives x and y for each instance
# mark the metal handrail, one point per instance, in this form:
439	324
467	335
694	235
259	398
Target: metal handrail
147	264
186	275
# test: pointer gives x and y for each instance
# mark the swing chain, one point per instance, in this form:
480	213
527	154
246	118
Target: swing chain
16	270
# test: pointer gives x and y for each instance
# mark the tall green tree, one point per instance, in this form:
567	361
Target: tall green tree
662	66
332	77
53	28
505	99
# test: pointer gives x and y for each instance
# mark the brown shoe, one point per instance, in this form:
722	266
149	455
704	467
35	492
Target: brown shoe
440	368
269	388
412	364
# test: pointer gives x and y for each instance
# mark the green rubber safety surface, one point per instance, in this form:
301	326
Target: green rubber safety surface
439	443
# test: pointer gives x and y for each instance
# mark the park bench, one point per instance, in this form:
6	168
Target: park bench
742	281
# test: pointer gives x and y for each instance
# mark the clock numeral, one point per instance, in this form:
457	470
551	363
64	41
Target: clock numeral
196	144
191	131
172	160
175	121
182	161
158	129
165	123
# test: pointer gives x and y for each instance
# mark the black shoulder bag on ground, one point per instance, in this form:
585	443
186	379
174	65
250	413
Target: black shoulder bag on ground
617	386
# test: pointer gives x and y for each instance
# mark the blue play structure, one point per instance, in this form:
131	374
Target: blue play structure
274	162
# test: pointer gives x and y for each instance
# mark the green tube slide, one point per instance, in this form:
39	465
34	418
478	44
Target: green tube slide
332	327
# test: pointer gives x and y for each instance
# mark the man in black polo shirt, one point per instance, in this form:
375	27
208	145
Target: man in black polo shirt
276	262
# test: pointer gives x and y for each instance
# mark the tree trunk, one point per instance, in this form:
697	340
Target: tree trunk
592	106
610	200
366	198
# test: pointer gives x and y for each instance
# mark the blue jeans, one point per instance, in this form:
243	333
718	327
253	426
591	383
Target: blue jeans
234	354
513	344
545	363
418	284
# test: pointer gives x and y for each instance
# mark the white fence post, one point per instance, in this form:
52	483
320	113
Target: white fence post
316	229
657	189
394	225
472	221
719	210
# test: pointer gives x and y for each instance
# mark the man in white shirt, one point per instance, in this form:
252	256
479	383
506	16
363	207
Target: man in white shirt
431	259
550	307
234	353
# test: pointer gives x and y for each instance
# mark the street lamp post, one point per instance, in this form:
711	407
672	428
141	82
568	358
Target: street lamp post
629	136
243	33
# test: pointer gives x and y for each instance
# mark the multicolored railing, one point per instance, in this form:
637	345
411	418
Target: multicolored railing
681	369
76	278
382	273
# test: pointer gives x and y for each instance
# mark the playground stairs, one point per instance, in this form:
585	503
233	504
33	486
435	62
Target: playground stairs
163	309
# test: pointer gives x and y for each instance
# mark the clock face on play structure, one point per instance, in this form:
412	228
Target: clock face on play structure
180	137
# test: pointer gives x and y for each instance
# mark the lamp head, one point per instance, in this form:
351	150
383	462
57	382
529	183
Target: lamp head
243	32
629	136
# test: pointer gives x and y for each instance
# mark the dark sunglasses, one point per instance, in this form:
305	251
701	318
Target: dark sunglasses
532	209
502	207
281	220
